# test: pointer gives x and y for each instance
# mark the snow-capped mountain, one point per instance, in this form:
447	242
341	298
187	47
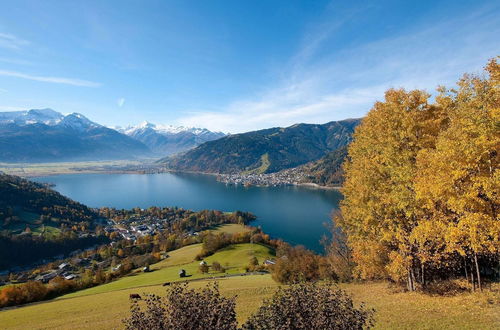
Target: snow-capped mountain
41	116
164	129
47	135
167	139
47	117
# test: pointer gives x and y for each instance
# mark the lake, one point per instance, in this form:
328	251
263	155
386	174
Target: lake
295	214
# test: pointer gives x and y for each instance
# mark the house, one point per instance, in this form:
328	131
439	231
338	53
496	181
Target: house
104	264
117	268
70	277
182	273
64	265
269	262
46	277
22	278
203	263
146	269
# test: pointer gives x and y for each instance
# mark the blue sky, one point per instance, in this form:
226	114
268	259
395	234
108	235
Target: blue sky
234	66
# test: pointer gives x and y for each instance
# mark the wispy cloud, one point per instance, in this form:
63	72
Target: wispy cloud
49	79
120	102
322	86
10	41
3	90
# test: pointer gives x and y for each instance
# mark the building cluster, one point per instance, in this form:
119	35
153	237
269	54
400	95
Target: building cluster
138	226
287	177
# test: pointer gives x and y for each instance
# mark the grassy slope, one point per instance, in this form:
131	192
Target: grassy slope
105	306
394	310
234	258
231	228
106	310
419	311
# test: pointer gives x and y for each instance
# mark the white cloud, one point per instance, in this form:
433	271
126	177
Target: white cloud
3	90
120	102
55	80
320	87
10	41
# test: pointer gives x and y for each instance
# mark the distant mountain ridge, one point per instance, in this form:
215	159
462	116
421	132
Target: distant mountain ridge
42	135
266	151
47	135
166	140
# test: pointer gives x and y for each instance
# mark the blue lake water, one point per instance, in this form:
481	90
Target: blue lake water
294	214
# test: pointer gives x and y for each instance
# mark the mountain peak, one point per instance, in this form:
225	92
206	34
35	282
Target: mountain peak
33	116
77	121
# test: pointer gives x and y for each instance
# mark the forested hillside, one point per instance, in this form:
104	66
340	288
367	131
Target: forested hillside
38	222
266	151
27	205
328	170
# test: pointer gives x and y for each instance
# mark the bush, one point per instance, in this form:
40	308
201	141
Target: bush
310	306
203	268
217	267
298	264
184	308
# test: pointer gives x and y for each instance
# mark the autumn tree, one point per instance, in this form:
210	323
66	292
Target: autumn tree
379	207
459	179
422	182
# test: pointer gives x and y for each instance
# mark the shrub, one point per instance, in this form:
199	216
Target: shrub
203	268
184	308
310	306
298	264
216	266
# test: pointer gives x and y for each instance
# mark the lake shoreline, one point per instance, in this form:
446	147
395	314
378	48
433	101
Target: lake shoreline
295	214
60	169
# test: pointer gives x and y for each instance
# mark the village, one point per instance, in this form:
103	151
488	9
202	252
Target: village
288	177
74	264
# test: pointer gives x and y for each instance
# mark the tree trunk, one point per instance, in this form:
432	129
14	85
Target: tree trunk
410	285
411	279
465	268
423	275
478	274
472	279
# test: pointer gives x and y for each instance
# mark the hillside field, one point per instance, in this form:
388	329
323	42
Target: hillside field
104	307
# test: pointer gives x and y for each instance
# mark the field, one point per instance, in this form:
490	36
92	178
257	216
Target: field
234	258
41	169
231	228
104	307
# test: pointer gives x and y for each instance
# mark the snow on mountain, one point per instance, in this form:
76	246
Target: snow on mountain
163	129
34	116
47	135
48	117
168	139
77	121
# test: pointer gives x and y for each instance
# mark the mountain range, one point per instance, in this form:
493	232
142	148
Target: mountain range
40	135
266	151
166	140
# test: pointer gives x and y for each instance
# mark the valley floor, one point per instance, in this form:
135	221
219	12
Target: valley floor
45	169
